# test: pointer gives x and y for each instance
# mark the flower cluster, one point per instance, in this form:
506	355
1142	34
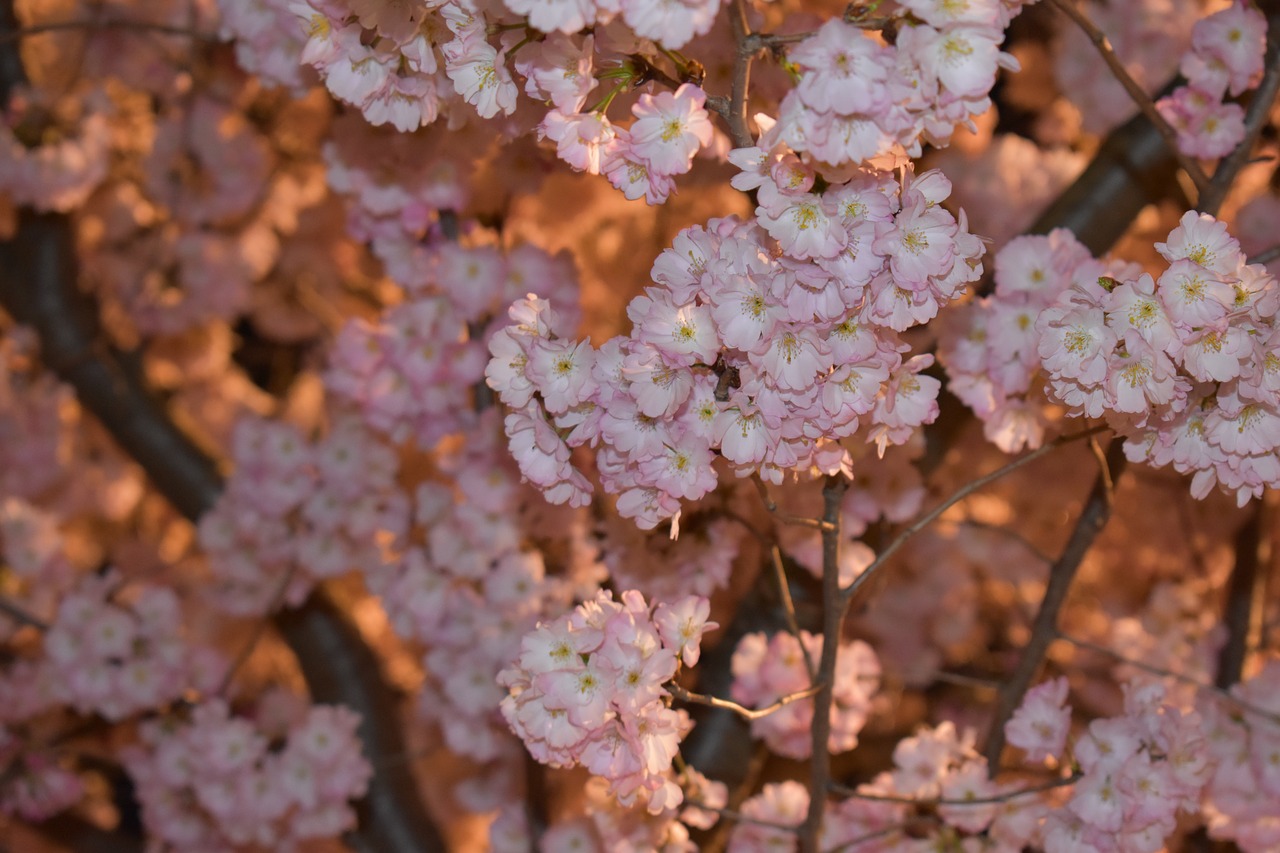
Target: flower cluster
1148	37
1225	59
296	512
111	654
397	63
1186	366
1042	722
1138	771
478	583
763	343
219	782
700	563
642	160
858	98
989	345
1242	792
34	784
767	669
588	689
51	167
411	373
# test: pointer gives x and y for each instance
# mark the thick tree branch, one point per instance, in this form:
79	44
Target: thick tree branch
39	287
1136	93
38	277
1044	630
1241	610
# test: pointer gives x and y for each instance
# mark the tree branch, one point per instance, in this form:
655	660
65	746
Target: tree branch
1044	629
834	607
1140	97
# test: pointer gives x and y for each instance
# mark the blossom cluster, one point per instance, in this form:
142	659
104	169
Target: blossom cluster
1148	38
859	98
34	783
1138	770
1225	58
406	64
763	342
588	689
767	669
936	765
1186	366
111	653
643	159
411	373
296	511
220	782
478	583
989	345
1240	742
49	165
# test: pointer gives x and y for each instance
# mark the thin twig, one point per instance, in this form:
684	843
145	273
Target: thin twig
749	714
21	616
933	802
962	680
786	518
259	628
789	610
1007	532
1044	629
957	496
739	87
1136	92
739	817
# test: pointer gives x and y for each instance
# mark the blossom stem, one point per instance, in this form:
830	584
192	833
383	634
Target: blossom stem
277	599
1136	93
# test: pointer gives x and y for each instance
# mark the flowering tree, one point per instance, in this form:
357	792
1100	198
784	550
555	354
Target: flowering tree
567	425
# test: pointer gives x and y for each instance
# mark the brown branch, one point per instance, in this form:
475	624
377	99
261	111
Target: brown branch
1245	587
21	616
834	607
38	287
789	610
784	518
1136	92
749	714
1094	516
957	496
934	802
